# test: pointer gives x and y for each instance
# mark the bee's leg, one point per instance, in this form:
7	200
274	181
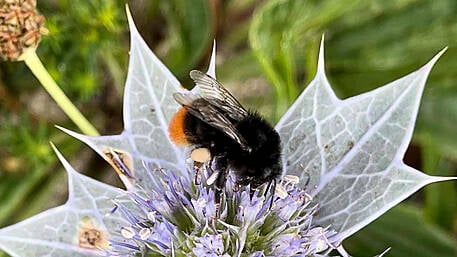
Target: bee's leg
219	184
210	165
251	191
267	189
217	203
197	168
214	173
252	186
271	184
273	191
236	187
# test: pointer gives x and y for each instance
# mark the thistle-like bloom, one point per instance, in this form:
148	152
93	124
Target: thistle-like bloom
177	219
21	27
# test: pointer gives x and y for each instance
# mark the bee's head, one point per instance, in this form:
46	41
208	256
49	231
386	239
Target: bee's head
257	173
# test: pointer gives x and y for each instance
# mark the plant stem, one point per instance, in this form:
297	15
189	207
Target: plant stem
40	72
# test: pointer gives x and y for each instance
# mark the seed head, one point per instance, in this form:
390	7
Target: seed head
21	27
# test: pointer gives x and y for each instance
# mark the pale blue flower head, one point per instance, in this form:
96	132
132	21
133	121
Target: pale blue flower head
179	219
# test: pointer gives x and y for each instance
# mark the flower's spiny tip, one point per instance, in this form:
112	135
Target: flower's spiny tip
62	159
435	58
321	60
129	16
212	64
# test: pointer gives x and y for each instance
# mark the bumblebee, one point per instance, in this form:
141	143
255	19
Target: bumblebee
237	140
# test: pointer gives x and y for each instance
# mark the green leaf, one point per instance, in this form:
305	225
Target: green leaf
439	128
404	230
440	200
190	33
73	59
371	42
386	40
24	165
277	27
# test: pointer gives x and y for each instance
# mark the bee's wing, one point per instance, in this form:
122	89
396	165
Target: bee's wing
213	91
184	99
211	115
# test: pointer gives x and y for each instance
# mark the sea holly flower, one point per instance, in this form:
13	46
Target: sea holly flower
342	163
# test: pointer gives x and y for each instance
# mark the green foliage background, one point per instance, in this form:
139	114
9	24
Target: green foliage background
267	54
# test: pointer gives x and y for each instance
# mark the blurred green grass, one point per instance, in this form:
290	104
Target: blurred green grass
267	54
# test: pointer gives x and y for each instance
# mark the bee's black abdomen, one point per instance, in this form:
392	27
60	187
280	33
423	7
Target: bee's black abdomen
264	162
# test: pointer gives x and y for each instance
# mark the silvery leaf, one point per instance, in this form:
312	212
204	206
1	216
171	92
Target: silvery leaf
148	108
350	152
56	232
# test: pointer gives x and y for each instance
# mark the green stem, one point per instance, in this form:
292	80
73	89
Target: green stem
40	72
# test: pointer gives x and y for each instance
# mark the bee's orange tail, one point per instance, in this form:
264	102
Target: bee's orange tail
176	128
